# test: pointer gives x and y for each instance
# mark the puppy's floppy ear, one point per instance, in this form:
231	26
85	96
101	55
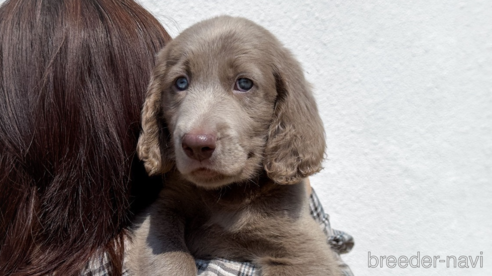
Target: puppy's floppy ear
153	146
296	140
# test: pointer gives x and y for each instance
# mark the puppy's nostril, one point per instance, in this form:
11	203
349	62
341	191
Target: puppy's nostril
187	150
199	146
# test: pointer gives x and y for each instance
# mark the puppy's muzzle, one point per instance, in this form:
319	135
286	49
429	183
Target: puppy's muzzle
199	146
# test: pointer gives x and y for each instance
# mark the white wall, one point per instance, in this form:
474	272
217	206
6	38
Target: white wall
405	92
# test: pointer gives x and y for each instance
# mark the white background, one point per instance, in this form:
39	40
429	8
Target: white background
405	93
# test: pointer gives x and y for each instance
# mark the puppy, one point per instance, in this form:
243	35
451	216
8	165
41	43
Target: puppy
231	123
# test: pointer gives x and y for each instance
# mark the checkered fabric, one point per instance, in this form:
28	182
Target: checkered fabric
341	243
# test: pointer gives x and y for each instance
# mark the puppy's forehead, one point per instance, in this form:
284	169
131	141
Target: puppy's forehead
224	37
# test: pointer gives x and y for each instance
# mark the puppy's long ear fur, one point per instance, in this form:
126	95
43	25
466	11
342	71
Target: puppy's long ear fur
153	146
296	140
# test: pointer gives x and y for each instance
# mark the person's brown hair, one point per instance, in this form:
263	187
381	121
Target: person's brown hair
72	80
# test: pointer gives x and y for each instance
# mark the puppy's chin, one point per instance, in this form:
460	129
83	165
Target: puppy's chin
209	179
218	172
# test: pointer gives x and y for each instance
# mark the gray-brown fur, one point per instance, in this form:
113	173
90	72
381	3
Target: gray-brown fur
247	202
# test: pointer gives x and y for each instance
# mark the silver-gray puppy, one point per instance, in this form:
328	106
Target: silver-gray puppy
231	122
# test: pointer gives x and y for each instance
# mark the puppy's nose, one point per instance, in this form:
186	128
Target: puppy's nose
199	146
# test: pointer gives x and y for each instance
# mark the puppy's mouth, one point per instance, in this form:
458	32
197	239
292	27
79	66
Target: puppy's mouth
208	179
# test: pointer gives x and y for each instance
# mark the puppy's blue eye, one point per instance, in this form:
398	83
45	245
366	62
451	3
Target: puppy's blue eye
181	83
243	84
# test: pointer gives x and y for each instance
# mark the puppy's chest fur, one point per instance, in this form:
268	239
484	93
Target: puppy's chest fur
241	221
